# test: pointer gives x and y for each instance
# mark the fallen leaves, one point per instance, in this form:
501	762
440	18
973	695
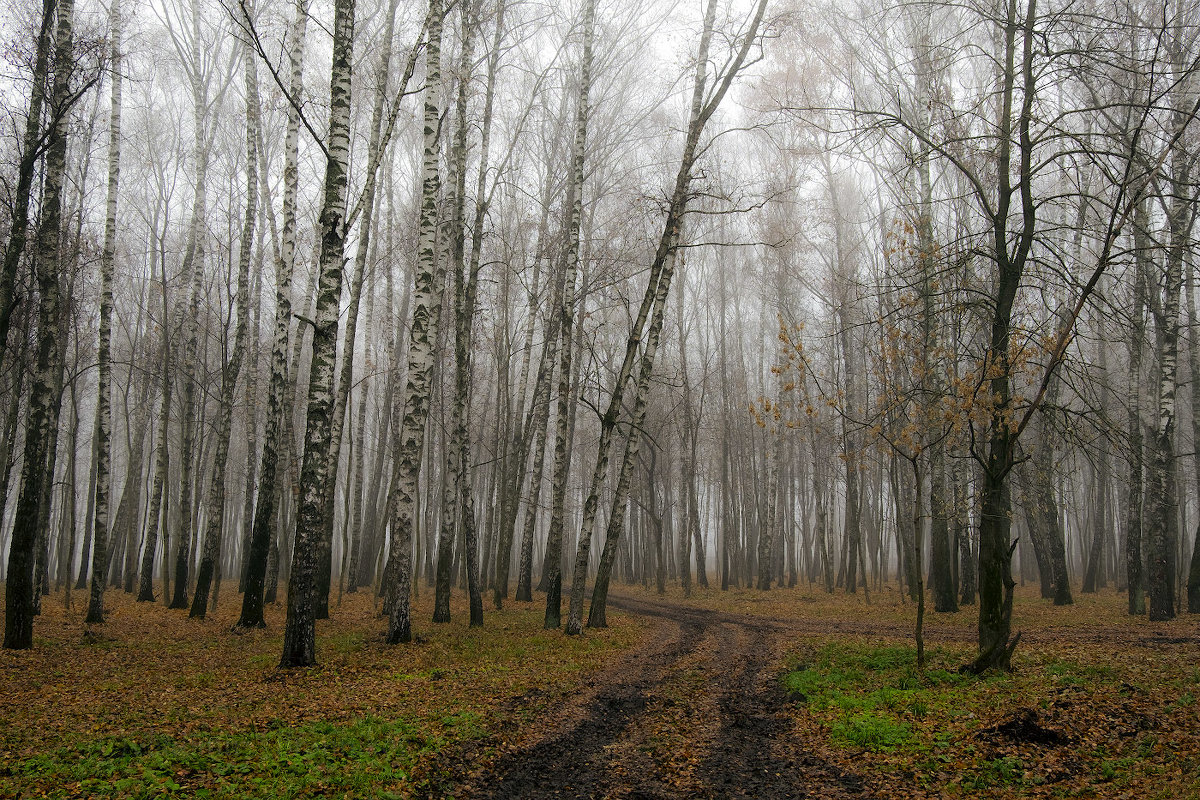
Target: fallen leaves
157	703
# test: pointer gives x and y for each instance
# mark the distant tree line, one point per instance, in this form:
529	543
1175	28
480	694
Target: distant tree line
523	298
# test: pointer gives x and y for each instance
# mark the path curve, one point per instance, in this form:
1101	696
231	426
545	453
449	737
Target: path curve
697	712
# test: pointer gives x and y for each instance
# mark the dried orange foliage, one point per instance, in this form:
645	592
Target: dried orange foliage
152	680
1099	704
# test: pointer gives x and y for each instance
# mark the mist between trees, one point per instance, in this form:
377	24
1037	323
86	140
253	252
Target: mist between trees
307	299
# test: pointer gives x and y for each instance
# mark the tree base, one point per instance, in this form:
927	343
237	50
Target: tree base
998	658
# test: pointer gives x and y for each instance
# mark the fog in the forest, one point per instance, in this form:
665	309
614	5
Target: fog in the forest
522	299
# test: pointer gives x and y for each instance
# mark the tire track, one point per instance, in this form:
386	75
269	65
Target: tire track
696	714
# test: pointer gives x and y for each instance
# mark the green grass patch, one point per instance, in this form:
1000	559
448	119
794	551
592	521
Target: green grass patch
996	735
871	731
1003	772
868	696
360	758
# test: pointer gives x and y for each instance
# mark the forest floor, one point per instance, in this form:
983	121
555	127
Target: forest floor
787	693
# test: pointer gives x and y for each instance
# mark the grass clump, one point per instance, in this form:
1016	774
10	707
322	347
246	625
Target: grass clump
871	731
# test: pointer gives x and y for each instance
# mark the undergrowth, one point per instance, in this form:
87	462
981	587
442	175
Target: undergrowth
157	705
1063	724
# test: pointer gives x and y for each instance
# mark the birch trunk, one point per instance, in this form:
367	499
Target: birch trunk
95	612
575	199
156	512
214	535
466	290
125	523
193	262
346	376
19	585
597	617
1161	498
258	554
1134	558
26	172
299	645
418	389
657	286
455	240
689	443
1193	580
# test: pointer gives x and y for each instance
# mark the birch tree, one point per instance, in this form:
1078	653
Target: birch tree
299	645
705	102
273	437
103	427
418	389
19	584
214	534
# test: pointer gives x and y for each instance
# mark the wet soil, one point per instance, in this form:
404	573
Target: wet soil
697	711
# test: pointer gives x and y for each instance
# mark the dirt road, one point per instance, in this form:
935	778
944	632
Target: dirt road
693	714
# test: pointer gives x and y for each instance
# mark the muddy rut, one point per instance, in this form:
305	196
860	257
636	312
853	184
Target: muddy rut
696	713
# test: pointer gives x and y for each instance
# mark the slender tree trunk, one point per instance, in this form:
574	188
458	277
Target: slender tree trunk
193	266
766	540
652	307
43	402
962	535
418	390
95	613
157	512
1162	504
574	221
1193	580
1134	509
995	642
346	377
616	520
689	442
1094	575
214	535
278	408
455	240
125	523
299	645
32	150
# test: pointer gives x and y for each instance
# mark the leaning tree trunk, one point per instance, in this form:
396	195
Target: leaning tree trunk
299	642
95	612
213	536
597	617
658	286
19	586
